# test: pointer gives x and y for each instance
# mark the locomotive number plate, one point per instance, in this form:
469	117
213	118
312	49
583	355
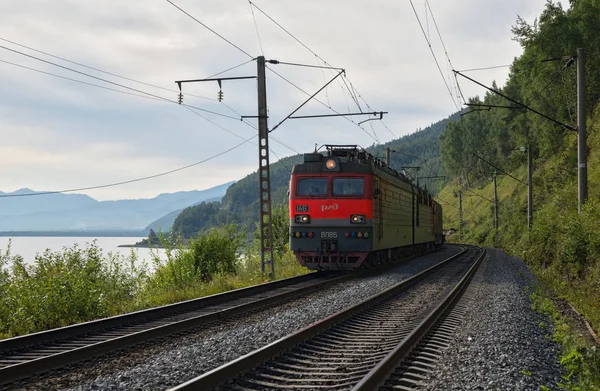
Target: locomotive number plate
301	208
328	235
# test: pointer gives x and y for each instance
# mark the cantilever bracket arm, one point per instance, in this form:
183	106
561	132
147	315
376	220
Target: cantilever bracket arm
309	98
373	119
380	113
521	105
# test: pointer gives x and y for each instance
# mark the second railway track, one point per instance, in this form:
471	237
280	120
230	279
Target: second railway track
22	357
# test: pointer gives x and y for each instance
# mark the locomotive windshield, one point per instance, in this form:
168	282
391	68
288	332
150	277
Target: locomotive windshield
348	186
312	186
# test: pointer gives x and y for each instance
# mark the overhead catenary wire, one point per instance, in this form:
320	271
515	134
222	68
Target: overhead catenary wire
324	61
256	27
130	180
477	194
103	71
524	106
112	82
434	56
243	51
428	7
190	108
485	68
256	128
446	202
80	81
208	28
332	109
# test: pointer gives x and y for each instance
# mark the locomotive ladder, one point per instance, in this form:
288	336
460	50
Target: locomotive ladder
264	176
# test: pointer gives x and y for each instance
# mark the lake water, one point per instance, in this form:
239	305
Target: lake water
28	247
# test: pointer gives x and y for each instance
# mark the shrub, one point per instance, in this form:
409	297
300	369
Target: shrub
64	287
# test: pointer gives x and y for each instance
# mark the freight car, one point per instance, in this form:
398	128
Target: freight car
348	209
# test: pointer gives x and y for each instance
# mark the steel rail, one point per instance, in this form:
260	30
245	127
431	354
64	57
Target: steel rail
24	363
377	376
251	360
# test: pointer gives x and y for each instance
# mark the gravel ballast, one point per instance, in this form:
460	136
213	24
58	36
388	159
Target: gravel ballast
502	343
499	346
170	362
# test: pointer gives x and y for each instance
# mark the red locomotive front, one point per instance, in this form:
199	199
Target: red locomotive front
331	212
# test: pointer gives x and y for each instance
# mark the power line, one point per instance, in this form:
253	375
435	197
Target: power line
246	53
440	36
306	65
434	57
128	181
330	108
570	127
446	202
256	27
208	28
138	95
320	58
100	70
547	85
256	128
290	34
484	68
113	83
474	193
280	161
78	81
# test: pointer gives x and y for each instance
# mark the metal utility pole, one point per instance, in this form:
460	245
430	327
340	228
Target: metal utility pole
387	157
264	176
460	215
581	133
529	189
495	204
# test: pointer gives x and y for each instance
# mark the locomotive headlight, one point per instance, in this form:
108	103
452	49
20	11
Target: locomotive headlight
330	164
358	219
302	219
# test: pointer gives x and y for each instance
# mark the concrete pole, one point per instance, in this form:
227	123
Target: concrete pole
495	204
581	133
529	189
387	157
460	211
264	176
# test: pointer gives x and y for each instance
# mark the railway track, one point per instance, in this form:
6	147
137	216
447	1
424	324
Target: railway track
22	357
355	349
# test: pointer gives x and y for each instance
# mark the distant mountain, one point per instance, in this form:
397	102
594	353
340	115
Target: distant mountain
165	223
76	212
241	202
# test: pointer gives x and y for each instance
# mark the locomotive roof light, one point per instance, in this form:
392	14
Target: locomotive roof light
330	164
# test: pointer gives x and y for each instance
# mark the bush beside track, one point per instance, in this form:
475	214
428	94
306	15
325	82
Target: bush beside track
81	284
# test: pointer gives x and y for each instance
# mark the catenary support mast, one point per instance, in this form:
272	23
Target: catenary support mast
264	176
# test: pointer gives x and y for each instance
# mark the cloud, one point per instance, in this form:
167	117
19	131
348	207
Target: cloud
60	134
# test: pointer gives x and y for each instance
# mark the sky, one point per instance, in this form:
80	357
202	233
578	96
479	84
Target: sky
60	134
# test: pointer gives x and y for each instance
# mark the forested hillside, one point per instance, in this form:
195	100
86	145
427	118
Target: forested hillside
563	246
240	203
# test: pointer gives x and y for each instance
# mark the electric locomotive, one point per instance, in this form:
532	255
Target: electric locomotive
348	209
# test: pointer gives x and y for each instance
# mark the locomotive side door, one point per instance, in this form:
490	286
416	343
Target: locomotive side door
378	207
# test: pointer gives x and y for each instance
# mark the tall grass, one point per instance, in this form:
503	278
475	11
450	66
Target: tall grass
80	284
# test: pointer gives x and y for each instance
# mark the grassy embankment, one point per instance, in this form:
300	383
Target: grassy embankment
81	284
563	248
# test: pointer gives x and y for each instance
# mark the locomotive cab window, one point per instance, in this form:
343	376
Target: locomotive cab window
312	186
348	187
